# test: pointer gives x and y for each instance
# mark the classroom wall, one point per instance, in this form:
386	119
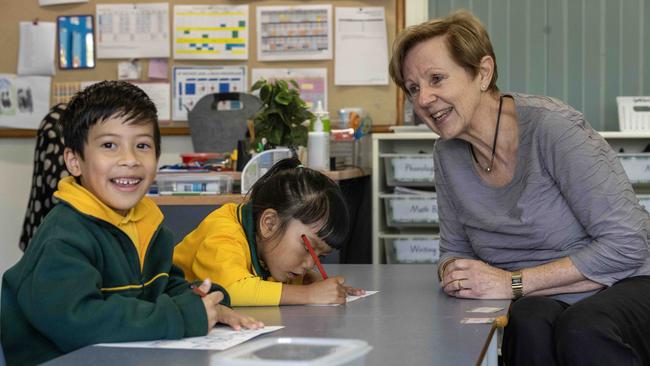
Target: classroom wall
585	52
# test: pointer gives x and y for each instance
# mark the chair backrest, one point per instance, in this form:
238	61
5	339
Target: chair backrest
215	130
49	168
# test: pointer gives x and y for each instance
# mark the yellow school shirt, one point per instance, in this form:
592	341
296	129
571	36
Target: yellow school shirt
218	249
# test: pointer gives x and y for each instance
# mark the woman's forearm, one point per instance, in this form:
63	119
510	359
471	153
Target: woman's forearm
556	277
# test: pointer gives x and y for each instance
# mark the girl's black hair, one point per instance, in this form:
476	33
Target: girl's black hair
304	194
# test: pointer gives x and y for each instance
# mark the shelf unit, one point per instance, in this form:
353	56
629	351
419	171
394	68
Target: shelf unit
422	143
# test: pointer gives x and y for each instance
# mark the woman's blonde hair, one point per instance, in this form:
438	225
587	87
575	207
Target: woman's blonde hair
466	38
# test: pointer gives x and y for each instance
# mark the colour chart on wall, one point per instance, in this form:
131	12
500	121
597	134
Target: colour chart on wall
312	82
294	32
211	32
192	83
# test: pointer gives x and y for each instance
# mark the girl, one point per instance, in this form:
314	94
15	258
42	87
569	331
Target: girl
255	250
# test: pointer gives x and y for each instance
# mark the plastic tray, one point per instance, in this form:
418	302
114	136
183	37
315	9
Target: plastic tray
411	210
637	167
420	249
409	170
194	183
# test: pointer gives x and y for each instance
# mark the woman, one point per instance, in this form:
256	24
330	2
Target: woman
534	205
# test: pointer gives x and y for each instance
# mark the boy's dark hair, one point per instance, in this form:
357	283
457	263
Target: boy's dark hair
303	194
104	100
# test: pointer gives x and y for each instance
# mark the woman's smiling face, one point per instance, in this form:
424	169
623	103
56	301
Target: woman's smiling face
444	95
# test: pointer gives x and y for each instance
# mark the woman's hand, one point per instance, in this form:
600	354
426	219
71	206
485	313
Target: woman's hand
474	279
237	320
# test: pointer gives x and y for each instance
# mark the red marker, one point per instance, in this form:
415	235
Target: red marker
314	256
198	291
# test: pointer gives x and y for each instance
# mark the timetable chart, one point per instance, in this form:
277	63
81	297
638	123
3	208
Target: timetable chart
294	33
211	32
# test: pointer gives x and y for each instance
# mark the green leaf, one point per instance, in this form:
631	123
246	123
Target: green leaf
294	83
258	84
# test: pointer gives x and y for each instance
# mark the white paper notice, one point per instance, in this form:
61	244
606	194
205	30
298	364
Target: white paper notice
312	82
160	94
219	339
132	30
59	2
294	32
361	47
349	299
24	100
211	32
36	50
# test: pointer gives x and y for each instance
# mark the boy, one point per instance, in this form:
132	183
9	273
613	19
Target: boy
99	268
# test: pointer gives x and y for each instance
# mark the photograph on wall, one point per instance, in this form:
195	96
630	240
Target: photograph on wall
132	30
24	100
311	82
192	83
76	42
294	32
211	32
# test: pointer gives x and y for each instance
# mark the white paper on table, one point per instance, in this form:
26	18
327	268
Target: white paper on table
361	47
349	299
220	338
302	32
160	94
132	30
24	100
312	82
58	2
192	83
211	32
36	48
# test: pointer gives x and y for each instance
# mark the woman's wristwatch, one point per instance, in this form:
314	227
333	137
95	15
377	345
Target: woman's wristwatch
517	285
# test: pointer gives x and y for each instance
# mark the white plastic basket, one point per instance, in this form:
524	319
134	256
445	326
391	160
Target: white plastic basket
633	113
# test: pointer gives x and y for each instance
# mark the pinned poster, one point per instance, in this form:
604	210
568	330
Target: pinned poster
192	83
36	48
294	32
24	100
311	82
211	32
160	95
132	30
361	47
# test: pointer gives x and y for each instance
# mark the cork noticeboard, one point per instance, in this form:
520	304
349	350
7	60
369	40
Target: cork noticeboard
382	103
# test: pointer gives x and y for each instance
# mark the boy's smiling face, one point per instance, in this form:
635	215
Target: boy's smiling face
119	162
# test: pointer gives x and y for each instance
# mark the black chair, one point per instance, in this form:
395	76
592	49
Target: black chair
49	168
215	130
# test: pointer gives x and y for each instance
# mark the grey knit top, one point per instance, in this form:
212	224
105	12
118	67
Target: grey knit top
569	197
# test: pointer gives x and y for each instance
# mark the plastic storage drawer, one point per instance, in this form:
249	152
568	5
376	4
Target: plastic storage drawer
409	169
412	249
406	210
644	200
637	167
193	184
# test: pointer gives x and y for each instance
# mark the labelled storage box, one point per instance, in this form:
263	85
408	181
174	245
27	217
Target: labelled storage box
295	351
409	169
644	201
637	167
194	184
403	210
633	113
412	249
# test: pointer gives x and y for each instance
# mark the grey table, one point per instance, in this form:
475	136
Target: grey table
411	321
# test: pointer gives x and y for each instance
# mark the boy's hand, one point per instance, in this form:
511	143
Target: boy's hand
211	301
329	291
355	291
237	320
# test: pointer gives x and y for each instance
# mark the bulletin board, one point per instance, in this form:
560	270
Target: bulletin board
382	103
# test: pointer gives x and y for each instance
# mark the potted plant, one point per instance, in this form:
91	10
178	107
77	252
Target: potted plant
280	118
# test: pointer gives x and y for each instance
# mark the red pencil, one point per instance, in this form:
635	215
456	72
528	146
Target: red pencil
314	256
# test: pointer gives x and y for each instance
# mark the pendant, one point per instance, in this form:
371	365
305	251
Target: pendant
488	170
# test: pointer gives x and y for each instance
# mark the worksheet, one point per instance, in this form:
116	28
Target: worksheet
220	338
349	299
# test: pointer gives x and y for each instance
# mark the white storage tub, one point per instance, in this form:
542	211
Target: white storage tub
193	183
405	210
412	249
637	167
409	169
